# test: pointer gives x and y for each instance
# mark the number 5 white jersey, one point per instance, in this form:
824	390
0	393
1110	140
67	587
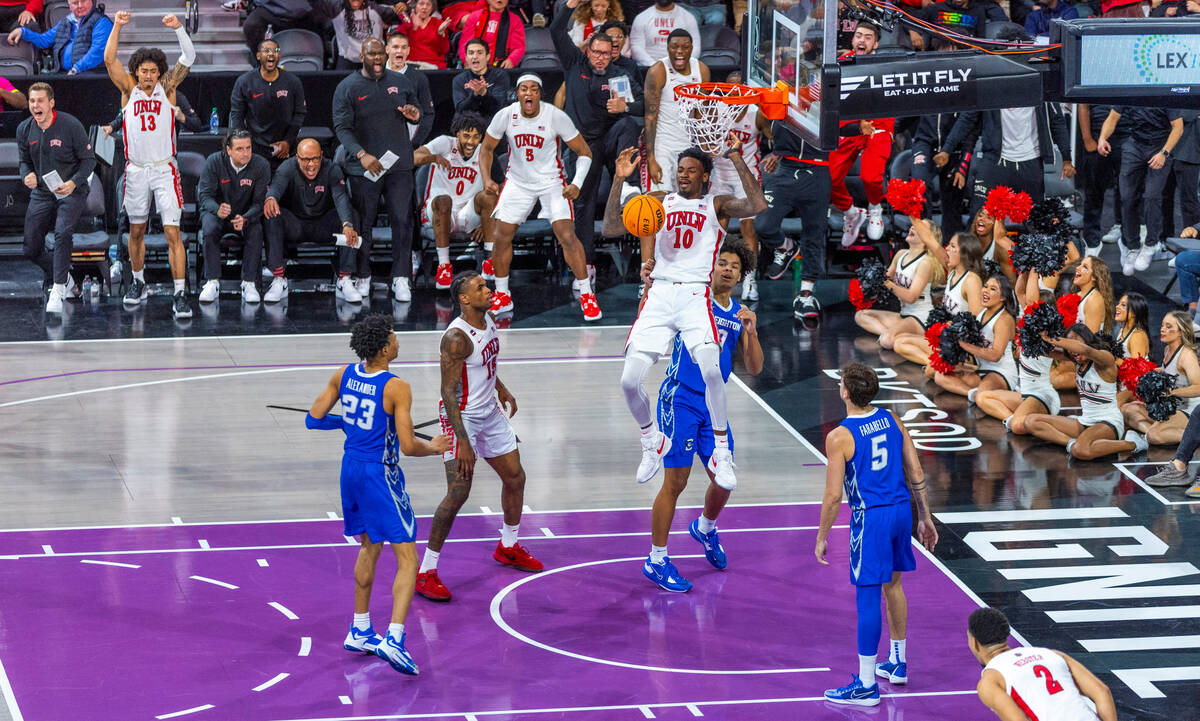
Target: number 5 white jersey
477	388
1039	681
149	127
685	250
533	144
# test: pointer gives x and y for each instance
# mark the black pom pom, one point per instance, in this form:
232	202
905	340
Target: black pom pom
871	277
1048	216
961	327
1112	345
1044	318
939	314
1042	252
991	269
1154	388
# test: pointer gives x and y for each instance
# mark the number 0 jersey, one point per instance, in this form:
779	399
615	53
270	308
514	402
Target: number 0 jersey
685	250
477	389
875	474
370	431
462	181
1040	681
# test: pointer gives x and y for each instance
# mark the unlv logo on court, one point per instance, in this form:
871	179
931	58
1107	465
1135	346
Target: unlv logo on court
685	219
529	140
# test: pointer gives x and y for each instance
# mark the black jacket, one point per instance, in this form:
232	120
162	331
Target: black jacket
366	116
245	191
587	91
311	199
933	131
1051	127
271	111
499	93
63	147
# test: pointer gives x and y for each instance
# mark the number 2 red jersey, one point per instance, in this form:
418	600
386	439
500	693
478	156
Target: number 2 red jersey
685	250
1040	681
477	388
149	127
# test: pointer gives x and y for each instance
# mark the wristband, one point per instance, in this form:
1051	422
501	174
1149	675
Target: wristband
325	423
582	165
728	154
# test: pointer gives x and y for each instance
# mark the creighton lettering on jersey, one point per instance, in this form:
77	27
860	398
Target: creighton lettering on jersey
685	249
875	474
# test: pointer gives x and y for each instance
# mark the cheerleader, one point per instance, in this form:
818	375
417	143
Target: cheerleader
1031	281
1034	395
913	273
1094	286
1133	313
1179	342
997	369
963	286
1100	429
993	237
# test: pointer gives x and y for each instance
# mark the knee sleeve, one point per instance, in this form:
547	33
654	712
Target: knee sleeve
870	619
708	359
633	385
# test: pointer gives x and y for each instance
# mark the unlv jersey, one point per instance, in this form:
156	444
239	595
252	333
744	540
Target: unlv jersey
685	250
148	123
533	160
477	389
1040	681
462	181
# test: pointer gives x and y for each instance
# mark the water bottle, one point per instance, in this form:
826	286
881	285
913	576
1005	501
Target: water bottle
86	293
214	123
114	265
270	33
95	295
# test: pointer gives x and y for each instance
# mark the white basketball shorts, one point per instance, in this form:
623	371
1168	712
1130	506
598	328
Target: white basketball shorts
516	202
670	308
161	182
463	217
491	434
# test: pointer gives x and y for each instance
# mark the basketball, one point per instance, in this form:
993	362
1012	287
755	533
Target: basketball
643	216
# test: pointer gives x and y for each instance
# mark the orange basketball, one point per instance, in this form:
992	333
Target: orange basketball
643	216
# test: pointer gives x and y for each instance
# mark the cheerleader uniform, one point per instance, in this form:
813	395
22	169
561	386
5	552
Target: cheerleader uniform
1006	367
906	269
1171	367
1081	318
1125	341
952	299
1099	400
1035	382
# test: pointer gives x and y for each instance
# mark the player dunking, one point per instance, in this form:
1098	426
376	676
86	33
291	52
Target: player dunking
871	455
1026	684
378	426
683	416
472	410
150	167
534	130
679	300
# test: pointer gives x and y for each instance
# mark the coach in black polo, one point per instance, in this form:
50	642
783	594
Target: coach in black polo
232	188
269	102
47	142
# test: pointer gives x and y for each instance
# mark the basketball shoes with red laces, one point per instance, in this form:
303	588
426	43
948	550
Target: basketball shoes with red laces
431	587
445	274
501	302
517	557
486	271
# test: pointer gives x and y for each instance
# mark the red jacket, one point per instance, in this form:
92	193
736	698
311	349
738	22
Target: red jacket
475	26
427	46
33	6
888	124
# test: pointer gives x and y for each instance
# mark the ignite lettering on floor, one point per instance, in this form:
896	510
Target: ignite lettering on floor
933	433
360	387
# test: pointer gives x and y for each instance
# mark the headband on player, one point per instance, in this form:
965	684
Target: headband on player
528	77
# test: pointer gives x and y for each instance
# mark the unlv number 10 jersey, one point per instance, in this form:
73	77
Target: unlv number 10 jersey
685	250
148	123
1040	681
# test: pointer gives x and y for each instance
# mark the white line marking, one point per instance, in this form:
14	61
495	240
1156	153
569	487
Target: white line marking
345	700
204	544
47	550
1133	477
646	711
694	711
214	582
305	645
771	412
293	617
109	563
526	509
349	540
963	587
547	532
1039	514
485	510
263	562
176	521
333	516
470	717
186	711
1142	643
9	699
264	686
1107	615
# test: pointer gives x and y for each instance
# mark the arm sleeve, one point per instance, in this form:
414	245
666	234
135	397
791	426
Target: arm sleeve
87	157
207	187
281	182
262	178
425	103
187	51
46	39
299	113
516	39
343	121
26	160
324	423
568	52
237	105
95	54
341	198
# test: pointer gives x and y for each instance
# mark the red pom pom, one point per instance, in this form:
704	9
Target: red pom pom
856	296
907	196
1003	202
936	361
1019	206
1068	307
1130	371
933	333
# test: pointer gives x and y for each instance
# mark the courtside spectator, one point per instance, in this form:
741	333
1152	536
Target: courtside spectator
480	88
398	48
590	16
428	33
501	30
653	26
232	188
77	40
354	24
618	32
1037	23
269	102
1098	173
18	13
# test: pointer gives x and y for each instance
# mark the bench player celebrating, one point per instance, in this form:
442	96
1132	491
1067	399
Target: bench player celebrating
684	419
455	200
148	121
678	298
871	455
1019	684
535	173
472	409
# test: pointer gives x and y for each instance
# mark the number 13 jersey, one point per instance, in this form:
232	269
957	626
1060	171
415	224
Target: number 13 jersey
149	125
477	389
1040	681
685	250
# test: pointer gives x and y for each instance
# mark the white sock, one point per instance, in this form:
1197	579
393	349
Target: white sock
648	431
897	655
396	630
502	284
508	535
180	284
866	670
585	285
658	554
874	206
807	285
721	440
487	247
443	255
429	560
140	274
706	525
362	621
61	288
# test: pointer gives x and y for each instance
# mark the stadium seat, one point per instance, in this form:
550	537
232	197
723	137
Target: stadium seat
10	157
14	196
300	50
722	48
19	59
539	51
91	241
54	12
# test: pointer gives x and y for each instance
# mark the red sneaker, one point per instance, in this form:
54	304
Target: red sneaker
591	309
445	274
431	587
502	302
517	557
487	272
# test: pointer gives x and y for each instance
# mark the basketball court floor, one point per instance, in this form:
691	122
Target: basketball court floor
171	545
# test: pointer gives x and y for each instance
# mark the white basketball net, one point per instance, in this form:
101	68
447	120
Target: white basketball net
709	120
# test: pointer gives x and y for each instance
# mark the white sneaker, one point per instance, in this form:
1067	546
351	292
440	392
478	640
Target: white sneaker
277	291
1137	439
721	465
1093	252
73	289
1113	234
363	286
1127	259
249	292
750	287
874	222
210	291
346	291
400	290
653	449
852	220
54	303
1141	261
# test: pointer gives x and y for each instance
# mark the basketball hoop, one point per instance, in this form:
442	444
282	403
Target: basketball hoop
712	107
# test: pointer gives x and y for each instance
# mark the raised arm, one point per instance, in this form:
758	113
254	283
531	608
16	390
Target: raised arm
623	167
398	395
727	206
924	230
1102	358
116	71
187	56
456	348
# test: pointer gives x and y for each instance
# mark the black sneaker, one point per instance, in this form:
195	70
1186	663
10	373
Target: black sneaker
136	293
180	306
805	305
781	262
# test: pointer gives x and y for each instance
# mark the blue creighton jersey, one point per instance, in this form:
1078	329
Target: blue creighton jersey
370	432
684	371
875	475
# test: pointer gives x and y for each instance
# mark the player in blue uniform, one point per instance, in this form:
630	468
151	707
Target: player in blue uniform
683	417
375	418
871	455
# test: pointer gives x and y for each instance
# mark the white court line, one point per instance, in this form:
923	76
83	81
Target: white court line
693	710
646	711
526	509
963	587
547	532
293	617
47	550
485	510
345	700
9	699
470	717
305	646
109	563
333	516
263	562
186	711
214	582
176	521
771	412
1123	468
203	543
268	684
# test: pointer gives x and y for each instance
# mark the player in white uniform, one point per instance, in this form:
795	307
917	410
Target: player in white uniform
455	199
1031	683
473	409
150	168
666	116
678	269
535	173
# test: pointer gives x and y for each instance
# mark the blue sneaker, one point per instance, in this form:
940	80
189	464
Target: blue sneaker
853	693
362	641
666	576
393	651
897	673
712	545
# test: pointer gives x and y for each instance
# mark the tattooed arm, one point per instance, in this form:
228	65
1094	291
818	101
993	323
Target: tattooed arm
915	475
755	202
456	347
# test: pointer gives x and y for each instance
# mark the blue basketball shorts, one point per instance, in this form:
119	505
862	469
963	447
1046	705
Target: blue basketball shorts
880	543
683	417
375	503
